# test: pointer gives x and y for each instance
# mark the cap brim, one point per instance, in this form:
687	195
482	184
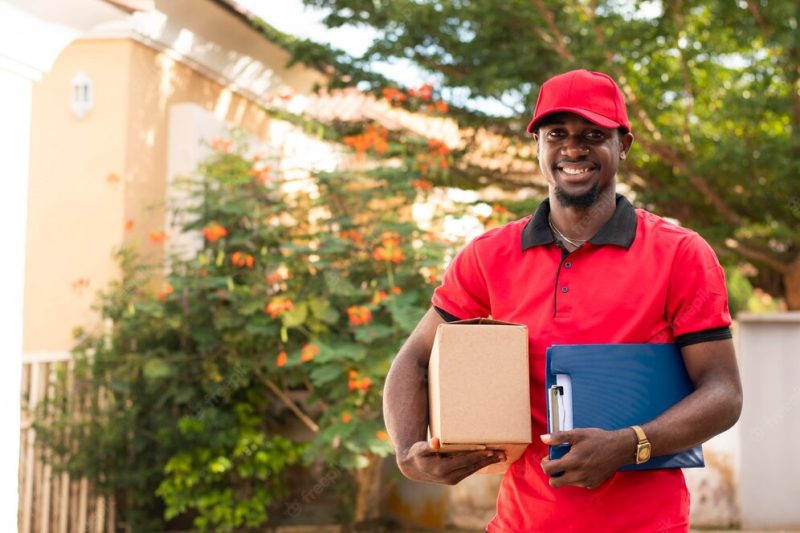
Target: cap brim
600	120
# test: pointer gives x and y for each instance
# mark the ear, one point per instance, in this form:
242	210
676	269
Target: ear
625	142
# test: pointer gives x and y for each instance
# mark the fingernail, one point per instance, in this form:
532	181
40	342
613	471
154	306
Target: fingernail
545	438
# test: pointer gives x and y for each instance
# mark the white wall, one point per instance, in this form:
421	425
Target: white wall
32	34
769	469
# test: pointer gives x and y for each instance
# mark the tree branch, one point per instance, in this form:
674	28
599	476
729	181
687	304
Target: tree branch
556	40
756	255
687	79
757	16
290	404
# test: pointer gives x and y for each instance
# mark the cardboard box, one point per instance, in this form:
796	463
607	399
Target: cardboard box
479	388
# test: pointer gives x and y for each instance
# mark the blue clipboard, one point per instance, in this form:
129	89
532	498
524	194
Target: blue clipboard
613	386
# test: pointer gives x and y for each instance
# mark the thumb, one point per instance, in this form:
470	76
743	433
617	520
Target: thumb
557	437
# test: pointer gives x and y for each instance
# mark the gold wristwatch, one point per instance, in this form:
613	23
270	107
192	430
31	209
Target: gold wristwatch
643	448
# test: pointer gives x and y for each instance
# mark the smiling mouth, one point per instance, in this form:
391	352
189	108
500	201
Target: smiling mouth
576	170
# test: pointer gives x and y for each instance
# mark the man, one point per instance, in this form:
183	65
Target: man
586	267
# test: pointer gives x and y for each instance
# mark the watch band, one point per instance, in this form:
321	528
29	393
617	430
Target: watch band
639	434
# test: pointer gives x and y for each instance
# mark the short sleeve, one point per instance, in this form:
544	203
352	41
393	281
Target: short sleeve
697	299
463	292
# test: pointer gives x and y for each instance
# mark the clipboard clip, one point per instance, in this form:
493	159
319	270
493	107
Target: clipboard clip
553	396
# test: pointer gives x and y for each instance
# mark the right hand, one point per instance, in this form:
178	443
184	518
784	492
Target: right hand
423	462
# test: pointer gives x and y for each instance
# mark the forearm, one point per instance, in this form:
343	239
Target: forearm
713	407
708	411
405	394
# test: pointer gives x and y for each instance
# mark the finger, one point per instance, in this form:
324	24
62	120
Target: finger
569	478
436	443
466	471
422	448
555	466
448	464
560	437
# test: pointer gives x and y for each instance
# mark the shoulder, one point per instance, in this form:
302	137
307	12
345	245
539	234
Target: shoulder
505	238
665	230
666	235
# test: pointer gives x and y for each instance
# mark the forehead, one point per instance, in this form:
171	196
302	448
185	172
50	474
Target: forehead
565	118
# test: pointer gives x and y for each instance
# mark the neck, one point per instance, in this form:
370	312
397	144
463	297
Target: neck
582	223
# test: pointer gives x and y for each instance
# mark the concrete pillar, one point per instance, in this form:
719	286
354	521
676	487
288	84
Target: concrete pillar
770	423
32	34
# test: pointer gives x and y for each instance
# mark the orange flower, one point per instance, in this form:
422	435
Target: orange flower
203	272
353	235
382	254
378	297
394	95
426	91
438	147
262	173
80	284
213	232
381	146
166	290
308	352
346	417
359	315
396	290
239	259
354	383
373	137
281	360
389	251
129	224
157	236
277	306
381	435
225	146
442	107
422	185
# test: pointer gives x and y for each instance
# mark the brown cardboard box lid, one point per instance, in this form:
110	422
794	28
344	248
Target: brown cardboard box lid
478	384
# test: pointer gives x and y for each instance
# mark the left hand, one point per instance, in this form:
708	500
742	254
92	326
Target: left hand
594	456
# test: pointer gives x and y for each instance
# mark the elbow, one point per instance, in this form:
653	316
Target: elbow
733	406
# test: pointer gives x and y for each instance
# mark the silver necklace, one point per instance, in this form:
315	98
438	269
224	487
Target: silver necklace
577	243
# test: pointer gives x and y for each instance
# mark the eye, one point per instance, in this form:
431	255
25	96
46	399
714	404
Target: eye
555	133
595	135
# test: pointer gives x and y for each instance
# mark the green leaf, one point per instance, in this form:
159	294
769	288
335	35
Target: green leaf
157	369
322	310
295	317
372	332
323	374
337	284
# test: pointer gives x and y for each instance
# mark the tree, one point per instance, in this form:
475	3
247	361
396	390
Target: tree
713	90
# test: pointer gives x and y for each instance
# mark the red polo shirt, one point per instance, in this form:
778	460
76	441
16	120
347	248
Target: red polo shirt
640	279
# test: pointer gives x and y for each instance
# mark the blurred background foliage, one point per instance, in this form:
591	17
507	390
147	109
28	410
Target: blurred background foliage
713	90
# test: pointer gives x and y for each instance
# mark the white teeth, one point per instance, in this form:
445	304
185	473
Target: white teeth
574	171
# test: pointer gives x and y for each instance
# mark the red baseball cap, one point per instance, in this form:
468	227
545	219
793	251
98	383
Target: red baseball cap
592	95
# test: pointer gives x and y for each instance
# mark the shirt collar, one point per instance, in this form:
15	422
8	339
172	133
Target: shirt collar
619	230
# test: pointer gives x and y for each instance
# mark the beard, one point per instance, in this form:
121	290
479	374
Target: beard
578	201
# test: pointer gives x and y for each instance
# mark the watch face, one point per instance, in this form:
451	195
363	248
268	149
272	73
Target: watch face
643	454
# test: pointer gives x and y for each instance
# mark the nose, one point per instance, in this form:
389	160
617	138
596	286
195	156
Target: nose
574	146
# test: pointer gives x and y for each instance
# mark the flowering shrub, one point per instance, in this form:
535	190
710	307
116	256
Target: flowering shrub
310	293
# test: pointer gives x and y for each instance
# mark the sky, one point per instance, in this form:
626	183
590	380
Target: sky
295	19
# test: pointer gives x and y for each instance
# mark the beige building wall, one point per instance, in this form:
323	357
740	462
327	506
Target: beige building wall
89	176
74	204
